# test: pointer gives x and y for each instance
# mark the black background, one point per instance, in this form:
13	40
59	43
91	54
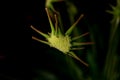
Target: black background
18	58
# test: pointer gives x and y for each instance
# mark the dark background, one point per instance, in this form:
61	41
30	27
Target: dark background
19	60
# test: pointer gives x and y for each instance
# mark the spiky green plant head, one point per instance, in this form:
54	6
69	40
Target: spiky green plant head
62	41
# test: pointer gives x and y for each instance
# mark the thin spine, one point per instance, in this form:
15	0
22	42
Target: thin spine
77	37
82	43
75	56
50	21
38	31
68	32
45	42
